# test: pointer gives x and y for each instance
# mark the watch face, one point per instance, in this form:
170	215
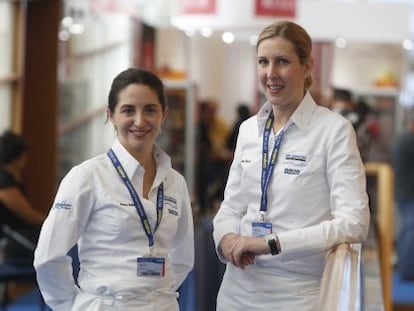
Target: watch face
272	241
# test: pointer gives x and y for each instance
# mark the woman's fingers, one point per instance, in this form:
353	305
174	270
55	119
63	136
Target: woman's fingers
239	250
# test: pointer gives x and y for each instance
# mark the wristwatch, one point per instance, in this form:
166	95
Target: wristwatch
273	241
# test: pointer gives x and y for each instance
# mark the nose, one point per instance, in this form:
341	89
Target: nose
272	71
139	118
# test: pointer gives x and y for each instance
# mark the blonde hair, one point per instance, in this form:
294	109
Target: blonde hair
294	33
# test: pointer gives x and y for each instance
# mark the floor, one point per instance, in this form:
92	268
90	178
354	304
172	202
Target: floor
403	294
29	302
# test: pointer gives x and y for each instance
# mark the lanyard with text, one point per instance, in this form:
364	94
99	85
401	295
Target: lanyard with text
137	202
268	164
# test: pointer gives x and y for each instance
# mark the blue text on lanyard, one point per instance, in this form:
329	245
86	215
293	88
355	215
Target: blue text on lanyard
268	165
137	202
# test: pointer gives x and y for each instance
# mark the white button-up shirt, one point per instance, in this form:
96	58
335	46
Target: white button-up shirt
316	199
94	209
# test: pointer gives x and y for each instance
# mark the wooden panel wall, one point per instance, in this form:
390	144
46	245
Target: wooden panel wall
40	99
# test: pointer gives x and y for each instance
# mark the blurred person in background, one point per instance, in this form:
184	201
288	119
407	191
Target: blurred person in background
213	156
357	112
243	113
202	157
20	221
403	162
128	211
343	104
296	186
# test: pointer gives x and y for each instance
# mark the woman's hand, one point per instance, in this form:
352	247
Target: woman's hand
242	250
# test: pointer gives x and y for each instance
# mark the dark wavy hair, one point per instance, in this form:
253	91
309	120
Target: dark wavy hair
12	146
135	76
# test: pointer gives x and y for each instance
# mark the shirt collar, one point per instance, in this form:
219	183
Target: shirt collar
131	165
300	117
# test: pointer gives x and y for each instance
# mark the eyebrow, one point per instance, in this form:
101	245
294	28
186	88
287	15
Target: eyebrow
126	106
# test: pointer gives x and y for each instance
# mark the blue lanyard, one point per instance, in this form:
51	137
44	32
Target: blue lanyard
137	202
268	166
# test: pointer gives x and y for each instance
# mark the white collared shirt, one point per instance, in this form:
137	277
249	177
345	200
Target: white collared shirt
316	196
94	209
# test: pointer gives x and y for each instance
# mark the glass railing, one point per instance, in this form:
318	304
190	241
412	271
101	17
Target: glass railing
359	276
341	286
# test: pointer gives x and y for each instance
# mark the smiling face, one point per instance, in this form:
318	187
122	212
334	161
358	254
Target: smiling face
137	117
281	74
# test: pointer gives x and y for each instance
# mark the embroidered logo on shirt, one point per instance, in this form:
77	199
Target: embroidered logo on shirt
292	171
62	205
173	212
170	201
296	157
126	204
299	161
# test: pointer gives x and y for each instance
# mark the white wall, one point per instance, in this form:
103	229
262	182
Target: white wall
172	49
227	72
358	65
6	39
223	72
363	20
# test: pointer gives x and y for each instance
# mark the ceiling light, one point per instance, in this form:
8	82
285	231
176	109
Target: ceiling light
227	37
407	44
341	43
190	32
77	29
206	32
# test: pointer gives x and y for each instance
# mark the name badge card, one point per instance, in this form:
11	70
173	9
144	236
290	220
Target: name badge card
260	229
151	267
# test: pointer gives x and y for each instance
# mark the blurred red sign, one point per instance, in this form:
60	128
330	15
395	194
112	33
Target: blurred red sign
286	8
198	6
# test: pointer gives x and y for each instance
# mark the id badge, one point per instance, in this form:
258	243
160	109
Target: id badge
151	267
260	229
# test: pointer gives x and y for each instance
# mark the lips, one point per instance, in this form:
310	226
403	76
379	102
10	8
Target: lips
275	87
141	133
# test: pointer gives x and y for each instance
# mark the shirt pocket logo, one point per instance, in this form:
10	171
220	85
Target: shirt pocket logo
291	171
295	163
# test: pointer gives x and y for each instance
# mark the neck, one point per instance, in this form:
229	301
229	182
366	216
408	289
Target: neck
149	175
281	117
146	160
144	157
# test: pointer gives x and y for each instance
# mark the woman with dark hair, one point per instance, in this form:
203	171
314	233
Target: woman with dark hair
19	220
296	186
128	211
